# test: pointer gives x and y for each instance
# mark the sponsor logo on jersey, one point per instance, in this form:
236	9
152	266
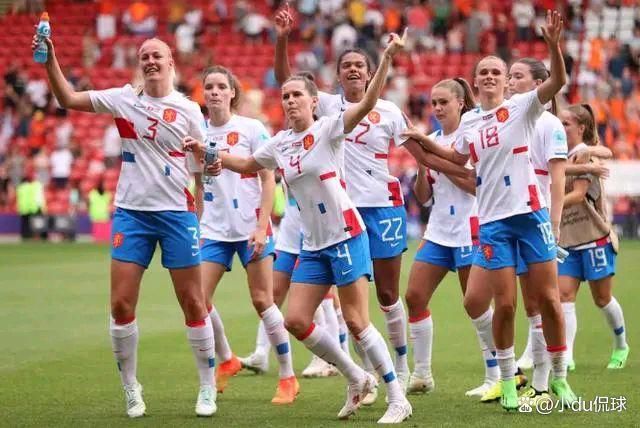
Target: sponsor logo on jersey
502	114
232	138
118	239
169	115
487	116
308	141
374	117
487	251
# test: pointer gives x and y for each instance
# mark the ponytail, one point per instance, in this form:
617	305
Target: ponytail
584	116
462	90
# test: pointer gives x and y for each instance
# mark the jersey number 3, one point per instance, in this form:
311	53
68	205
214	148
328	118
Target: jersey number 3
153	130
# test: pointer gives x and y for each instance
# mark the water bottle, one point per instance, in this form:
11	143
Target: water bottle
210	156
43	31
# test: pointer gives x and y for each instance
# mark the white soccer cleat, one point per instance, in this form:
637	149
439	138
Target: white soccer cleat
371	397
525	362
356	393
403	380
319	368
480	390
255	362
135	405
421	384
397	413
206	404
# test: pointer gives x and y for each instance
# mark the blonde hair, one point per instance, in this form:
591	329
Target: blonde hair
172	69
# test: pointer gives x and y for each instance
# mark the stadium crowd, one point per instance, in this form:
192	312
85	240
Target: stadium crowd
40	142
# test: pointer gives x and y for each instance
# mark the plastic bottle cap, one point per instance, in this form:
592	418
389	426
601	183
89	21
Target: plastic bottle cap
44	16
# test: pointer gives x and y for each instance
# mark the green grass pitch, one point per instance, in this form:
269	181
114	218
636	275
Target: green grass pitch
56	366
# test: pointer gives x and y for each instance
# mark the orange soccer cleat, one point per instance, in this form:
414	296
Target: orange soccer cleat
227	370
287	390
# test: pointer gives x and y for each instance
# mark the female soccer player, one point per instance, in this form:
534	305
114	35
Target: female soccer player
236	219
448	240
153	206
512	215
588	236
375	192
335	249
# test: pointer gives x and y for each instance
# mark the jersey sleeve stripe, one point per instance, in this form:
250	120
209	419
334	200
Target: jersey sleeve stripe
396	193
327	175
351	220
381	156
541	171
128	157
534	200
249	175
521	149
472	152
125	128
176	154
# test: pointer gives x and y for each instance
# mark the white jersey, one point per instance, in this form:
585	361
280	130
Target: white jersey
454	215
309	162
498	143
549	142
231	200
369	183
289	237
155	171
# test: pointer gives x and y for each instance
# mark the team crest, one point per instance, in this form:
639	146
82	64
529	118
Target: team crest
307	141
118	239
232	138
169	115
374	117
487	251
502	114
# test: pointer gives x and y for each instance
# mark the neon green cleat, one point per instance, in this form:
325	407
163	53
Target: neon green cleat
571	366
618	358
563	391
509	398
534	396
495	392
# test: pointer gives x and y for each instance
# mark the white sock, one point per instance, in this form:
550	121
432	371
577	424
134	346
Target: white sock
615	318
570	327
485	337
421	333
557	355
124	341
330	318
366	362
262	341
318	317
373	344
396	320
343	331
527	349
318	341
507	363
541	363
279	339
200	335
223	350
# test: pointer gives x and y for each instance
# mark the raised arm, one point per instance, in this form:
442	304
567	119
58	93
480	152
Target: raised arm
283	22
64	93
357	112
551	32
422	187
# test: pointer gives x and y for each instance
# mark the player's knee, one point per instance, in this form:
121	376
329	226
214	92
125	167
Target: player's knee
414	300
296	325
122	308
387	296
505	308
601	301
531	308
261	302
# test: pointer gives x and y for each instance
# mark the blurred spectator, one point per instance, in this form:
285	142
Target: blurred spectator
175	15
27	6
30	202
99	202
308	7
503	38
523	14
418	21
331	8
64	131
441	13
254	24
305	60
356	10
185	41
38	91
139	19
41	167
393	18
344	37
4	187
6	132
626	82
455	38
15	82
106	20
61	161
90	50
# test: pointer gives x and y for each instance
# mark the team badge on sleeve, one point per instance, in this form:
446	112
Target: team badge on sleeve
502	114
307	141
232	138
374	117
118	239
169	115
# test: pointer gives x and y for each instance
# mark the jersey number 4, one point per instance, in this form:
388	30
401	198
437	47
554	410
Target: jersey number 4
489	137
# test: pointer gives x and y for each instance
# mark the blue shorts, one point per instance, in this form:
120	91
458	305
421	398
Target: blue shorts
386	230
529	233
589	264
453	258
285	262
339	264
222	252
135	234
521	266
